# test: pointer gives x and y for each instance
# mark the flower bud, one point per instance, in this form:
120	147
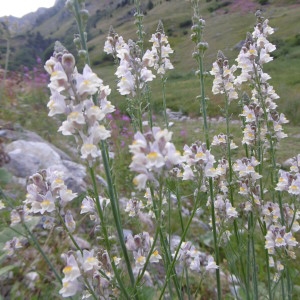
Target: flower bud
195	54
202	46
70	4
202	22
82	54
195	28
77	42
68	62
194	37
84	13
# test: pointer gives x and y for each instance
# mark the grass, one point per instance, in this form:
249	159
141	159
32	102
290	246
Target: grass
223	31
30	111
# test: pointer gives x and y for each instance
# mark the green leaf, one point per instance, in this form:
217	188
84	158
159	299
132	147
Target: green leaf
5	177
9	232
6	269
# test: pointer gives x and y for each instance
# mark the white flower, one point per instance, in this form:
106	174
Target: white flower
155	257
71	270
66	196
140	181
94	113
88	82
56	104
47	204
126	85
98	133
88	150
1	205
88	205
211	264
69	221
70	288
89	262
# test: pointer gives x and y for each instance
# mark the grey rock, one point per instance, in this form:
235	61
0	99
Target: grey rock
33	154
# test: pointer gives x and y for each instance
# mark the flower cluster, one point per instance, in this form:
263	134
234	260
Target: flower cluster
197	160
113	43
84	265
133	68
224	78
160	51
249	188
153	154
47	192
194	259
83	98
290	181
253	55
280	244
140	245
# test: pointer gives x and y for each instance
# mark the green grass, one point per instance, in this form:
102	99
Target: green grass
223	31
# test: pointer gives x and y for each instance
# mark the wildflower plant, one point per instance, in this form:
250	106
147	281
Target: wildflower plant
248	203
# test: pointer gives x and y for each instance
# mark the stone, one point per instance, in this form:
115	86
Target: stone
29	156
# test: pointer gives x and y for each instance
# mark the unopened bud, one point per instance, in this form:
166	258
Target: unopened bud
195	54
69	4
194	37
77	42
195	28
82	54
202	46
84	13
160	27
68	62
202	22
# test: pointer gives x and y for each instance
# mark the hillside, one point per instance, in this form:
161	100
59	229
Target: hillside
227	23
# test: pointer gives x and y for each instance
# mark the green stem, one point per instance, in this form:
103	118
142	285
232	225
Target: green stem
254	266
203	102
105	234
69	233
171	266
115	210
157	210
81	32
165	101
39	248
216	246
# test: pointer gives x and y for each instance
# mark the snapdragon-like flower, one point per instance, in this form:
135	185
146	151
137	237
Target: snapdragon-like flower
153	155
46	191
224	78
280	243
12	246
253	55
140	245
113	42
82	98
132	71
160	51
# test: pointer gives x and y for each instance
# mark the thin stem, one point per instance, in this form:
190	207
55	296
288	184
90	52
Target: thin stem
254	266
171	267
157	210
203	102
39	248
163	81
115	210
69	233
105	233
80	29
216	246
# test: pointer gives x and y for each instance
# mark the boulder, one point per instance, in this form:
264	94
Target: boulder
29	153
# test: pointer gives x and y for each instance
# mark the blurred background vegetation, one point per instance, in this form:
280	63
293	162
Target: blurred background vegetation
227	23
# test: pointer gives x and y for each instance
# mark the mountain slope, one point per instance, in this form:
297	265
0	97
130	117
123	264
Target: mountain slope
226	25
